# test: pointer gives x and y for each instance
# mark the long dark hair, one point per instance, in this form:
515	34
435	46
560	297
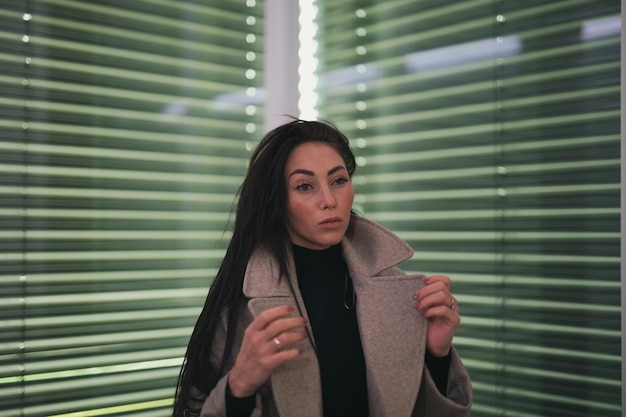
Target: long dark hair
259	223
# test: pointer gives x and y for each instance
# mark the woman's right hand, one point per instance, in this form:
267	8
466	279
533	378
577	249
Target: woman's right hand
266	345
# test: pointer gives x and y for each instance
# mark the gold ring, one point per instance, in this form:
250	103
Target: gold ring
277	343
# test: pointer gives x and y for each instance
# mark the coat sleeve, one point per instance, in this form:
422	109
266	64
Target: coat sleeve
431	403
214	404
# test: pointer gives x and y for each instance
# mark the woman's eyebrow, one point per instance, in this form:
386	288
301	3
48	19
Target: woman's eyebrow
312	174
302	171
335	169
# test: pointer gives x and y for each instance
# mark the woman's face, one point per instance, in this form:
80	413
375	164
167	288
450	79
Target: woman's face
319	196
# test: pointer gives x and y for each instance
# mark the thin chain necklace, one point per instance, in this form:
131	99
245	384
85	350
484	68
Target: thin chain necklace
348	292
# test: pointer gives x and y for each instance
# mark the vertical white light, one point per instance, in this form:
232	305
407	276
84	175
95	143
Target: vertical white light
307	104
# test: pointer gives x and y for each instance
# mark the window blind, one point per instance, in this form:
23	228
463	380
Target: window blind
124	132
488	137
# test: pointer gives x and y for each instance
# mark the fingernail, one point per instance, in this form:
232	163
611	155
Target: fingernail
290	308
425	280
415	296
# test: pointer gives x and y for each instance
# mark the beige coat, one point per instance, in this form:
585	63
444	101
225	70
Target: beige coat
393	335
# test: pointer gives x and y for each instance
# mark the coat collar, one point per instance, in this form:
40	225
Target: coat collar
368	249
385	323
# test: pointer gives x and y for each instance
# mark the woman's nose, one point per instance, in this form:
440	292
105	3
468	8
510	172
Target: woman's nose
328	199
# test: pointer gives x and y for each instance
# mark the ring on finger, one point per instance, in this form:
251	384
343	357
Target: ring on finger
452	304
277	343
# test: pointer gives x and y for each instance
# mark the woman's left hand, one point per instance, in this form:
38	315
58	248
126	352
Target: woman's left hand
436	304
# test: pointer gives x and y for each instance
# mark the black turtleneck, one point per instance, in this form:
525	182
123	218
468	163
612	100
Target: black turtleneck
322	278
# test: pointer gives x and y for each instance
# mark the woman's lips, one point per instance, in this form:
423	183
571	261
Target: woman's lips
331	222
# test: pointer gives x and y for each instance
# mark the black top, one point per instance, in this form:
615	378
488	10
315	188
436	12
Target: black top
322	278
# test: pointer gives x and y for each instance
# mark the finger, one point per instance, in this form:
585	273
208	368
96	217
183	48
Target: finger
437	278
431	299
286	340
282	325
452	315
283	356
263	340
269	315
279	354
438	299
437	281
453	303
433	284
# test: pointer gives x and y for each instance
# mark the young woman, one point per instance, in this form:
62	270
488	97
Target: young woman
309	314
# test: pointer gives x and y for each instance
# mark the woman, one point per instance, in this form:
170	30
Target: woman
309	314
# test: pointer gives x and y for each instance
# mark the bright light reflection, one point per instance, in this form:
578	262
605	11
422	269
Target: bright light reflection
463	53
601	28
308	62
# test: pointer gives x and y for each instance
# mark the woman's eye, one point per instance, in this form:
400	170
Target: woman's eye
341	180
303	187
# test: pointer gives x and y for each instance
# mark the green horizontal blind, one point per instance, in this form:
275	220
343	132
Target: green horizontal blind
488	136
125	127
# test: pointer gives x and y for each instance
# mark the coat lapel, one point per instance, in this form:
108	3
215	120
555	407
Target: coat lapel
393	340
296	385
393	334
